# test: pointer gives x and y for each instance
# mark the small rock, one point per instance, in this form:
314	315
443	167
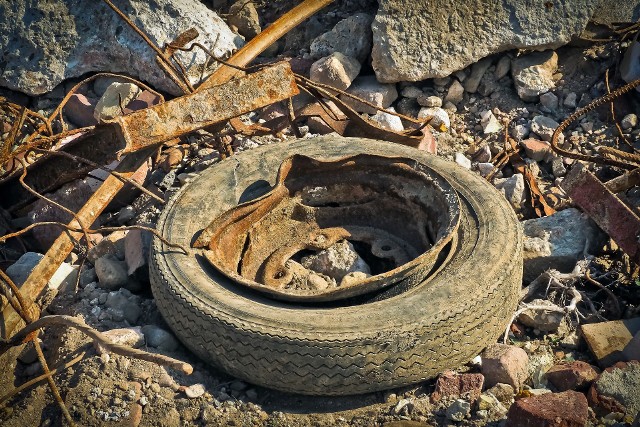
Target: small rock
616	389
502	67
614	341
388	121
159	338
137	246
113	244
112	273
463	161
513	189
114	99
336	70
576	375
535	149
533	74
503	392
558	168
483	154
571	100
126	214
145	99
478	69
506	364
403	406
79	110
252	394
629	121
490	403
337	261
440	118
430	101
458	410
544	127
341	38
131	337
408	107
195	390
63	279
485	168
489	122
542	320
549	100
411	92
451	384
558	241
568	409
587	126
520	132
368	88
244	16
539	364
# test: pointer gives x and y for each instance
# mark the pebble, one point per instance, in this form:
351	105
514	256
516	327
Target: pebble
629	121
613	341
483	154
544	127
388	121
368	88
112	273
533	74
336	261
439	117
506	364
126	214
575	375
520	132
195	390
462	160
336	70
451	384
489	122
244	16
558	168
549	100
513	189
478	69
571	100
79	109
411	92
159	338
502	67
542	320
458	410
113	244
587	126
535	149
116	97
429	101
485	168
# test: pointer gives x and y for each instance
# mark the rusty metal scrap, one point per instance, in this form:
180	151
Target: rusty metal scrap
203	108
403	213
605	208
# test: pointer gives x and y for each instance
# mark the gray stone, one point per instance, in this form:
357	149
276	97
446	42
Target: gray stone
629	121
137	246
427	38
533	74
502	67
113	244
544	127
513	189
489	122
408	107
131	337
439	116
47	42
558	241
458	410
520	131
505	364
542	320
485	168
112	273
430	100
368	88
411	92
557	167
126	214
159	338
388	121
621	383
571	100
549	100
478	69
126	303
114	99
244	16
351	36
335	70
483	154
337	261
463	161
455	92
63	279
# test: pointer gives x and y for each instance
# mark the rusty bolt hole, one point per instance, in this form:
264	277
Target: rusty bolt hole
336	229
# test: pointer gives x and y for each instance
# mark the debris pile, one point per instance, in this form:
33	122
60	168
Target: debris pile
89	159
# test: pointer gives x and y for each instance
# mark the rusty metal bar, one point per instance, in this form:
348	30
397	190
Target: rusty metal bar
198	110
607	210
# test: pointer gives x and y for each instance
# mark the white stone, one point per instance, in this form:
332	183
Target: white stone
455	92
502	67
544	127
337	70
430	101
368	88
388	121
463	161
513	189
549	100
485	168
351	36
337	261
629	121
439	117
571	100
533	74
114	99
489	122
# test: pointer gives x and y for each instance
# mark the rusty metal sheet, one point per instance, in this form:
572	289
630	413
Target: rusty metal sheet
203	108
607	210
401	215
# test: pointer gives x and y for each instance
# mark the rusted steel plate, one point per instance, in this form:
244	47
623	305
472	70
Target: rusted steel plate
607	210
399	214
203	108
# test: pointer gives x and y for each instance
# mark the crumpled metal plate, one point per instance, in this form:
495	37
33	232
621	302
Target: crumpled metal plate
399	212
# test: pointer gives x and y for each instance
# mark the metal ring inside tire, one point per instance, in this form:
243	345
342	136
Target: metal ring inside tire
400	337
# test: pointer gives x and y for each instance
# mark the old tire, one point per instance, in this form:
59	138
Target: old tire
358	348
